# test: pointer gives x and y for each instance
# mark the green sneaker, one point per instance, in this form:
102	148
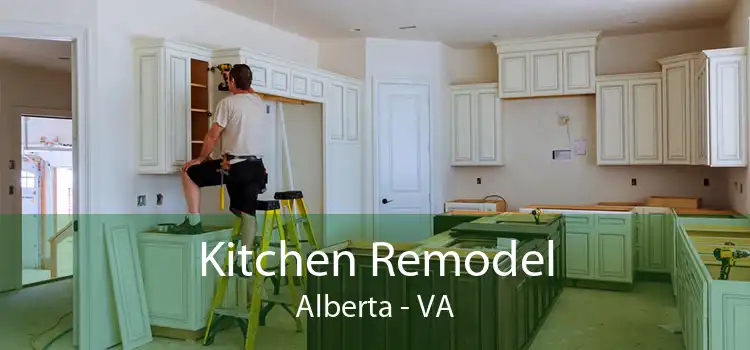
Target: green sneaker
186	229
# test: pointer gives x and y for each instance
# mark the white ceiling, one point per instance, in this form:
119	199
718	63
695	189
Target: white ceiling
463	23
36	53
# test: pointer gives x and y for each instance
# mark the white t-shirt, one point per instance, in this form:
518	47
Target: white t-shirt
241	116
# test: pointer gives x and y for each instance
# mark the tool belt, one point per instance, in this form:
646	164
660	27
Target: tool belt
231	157
225	167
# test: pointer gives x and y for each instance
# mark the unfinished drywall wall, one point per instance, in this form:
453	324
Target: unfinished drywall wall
738	33
531	133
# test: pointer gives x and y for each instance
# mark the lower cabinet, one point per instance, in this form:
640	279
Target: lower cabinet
177	294
488	311
599	245
653	242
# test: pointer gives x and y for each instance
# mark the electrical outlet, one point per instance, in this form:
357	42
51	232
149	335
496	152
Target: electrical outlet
633	182
142	200
159	198
706	182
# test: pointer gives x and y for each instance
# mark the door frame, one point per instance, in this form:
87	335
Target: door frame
83	65
43	113
375	122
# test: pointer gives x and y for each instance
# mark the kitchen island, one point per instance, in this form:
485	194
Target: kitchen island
489	311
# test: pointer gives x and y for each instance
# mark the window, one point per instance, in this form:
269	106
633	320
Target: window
28	180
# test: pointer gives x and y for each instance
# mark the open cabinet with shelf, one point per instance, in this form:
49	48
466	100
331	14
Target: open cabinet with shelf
200	116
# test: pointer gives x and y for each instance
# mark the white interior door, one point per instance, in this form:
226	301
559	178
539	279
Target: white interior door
402	117
31	218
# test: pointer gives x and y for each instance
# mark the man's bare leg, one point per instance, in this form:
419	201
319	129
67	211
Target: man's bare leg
193	197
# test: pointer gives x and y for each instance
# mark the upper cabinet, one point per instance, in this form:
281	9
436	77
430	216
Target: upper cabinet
705	103
175	89
476	125
277	77
171	83
629	119
547	66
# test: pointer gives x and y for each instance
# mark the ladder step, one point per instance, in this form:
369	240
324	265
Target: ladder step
236	313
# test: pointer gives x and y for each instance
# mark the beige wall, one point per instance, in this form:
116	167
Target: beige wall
531	133
737	33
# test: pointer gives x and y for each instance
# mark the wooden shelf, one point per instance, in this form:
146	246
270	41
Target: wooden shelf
199	104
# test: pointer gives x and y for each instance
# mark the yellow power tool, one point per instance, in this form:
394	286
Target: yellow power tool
224	68
536	213
728	255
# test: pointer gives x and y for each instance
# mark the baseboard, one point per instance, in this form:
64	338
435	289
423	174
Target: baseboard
51	280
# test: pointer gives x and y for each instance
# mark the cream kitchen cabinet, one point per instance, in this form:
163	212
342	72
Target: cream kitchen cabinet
654	249
720	135
599	244
629	119
163	102
547	66
178	295
705	108
677	74
476	126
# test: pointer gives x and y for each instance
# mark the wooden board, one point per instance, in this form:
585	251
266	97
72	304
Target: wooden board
127	283
674	202
580	207
621	204
691	211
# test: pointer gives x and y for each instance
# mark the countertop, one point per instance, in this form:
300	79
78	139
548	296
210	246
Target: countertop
599	207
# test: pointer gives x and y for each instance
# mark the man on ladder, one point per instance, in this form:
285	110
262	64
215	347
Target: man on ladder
238	125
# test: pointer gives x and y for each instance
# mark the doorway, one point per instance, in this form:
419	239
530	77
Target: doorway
46	198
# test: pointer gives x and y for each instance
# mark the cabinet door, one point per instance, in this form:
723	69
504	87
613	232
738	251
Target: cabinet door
677	117
700	114
579	70
613	248
352	112
578	257
646	121
462	129
656	243
546	73
514	75
488	128
300	84
522	314
612	123
149	77
727	111
178	108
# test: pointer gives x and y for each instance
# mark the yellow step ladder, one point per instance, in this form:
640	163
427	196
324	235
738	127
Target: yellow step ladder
249	320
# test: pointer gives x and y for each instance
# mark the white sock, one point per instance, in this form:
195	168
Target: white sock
194	219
